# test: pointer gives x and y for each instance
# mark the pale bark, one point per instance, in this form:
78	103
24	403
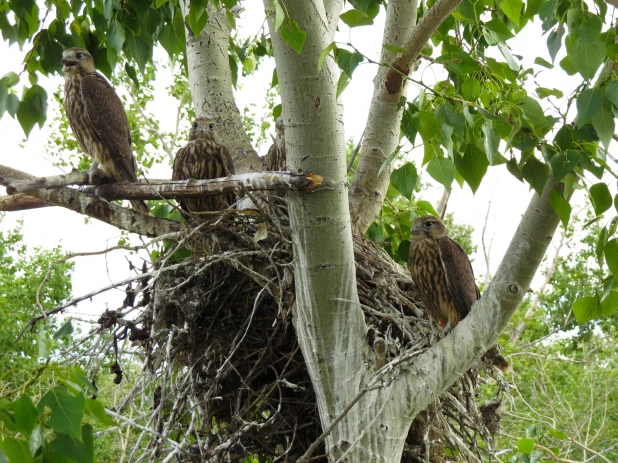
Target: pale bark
20	203
381	134
173	189
329	322
541	290
97	208
210	83
382	129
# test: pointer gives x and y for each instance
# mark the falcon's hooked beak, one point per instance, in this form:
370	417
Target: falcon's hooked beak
68	64
416	229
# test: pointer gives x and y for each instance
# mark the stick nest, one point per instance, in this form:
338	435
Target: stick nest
223	368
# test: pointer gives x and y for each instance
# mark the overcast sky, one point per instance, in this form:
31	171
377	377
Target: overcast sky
50	226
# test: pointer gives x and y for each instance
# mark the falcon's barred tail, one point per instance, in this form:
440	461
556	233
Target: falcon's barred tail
493	356
140	206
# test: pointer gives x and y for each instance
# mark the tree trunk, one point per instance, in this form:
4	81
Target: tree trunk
210	83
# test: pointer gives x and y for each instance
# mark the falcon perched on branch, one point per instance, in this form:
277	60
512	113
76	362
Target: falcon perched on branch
275	159
203	158
444	277
98	120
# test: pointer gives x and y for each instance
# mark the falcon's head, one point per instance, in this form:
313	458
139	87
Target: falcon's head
280	126
77	60
428	227
204	128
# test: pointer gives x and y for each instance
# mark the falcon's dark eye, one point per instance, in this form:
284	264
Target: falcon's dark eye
79	55
212	126
195	125
427	224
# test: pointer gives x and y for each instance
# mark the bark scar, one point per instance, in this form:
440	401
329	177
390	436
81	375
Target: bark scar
394	79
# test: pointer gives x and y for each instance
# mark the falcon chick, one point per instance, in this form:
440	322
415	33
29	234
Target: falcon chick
204	158
98	120
444	277
275	159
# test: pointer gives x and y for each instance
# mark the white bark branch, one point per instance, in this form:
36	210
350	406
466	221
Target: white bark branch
169	189
97	208
210	82
382	129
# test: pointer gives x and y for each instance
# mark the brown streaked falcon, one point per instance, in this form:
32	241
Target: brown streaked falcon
204	158
275	159
444	277
98	120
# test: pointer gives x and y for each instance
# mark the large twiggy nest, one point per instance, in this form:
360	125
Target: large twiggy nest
227	375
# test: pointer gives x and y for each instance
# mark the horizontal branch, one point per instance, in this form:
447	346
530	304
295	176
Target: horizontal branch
94	207
169	189
20	202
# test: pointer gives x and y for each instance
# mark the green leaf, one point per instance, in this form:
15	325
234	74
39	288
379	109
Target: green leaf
65	330
10	79
543	92
277	111
611	255
531	431
16	450
601	198
95	409
349	61
609	305
564	137
197	17
585	57
563	163
67	411
79	449
293	35
404	179
586	309
611	92
525	445
115	35
543	62
536	174
471	89
355	18
427	207
492	143
33	108
139	50
342	83
554	42
442	170
533	112
603	123
279	15
512	9
25	415
557	434
567	65
324	54
561	206
130	70
472	166
589	103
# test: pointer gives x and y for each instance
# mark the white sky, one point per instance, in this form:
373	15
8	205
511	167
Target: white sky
49	226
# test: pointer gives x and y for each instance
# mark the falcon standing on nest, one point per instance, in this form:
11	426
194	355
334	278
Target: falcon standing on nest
444	277
204	158
275	159
98	120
